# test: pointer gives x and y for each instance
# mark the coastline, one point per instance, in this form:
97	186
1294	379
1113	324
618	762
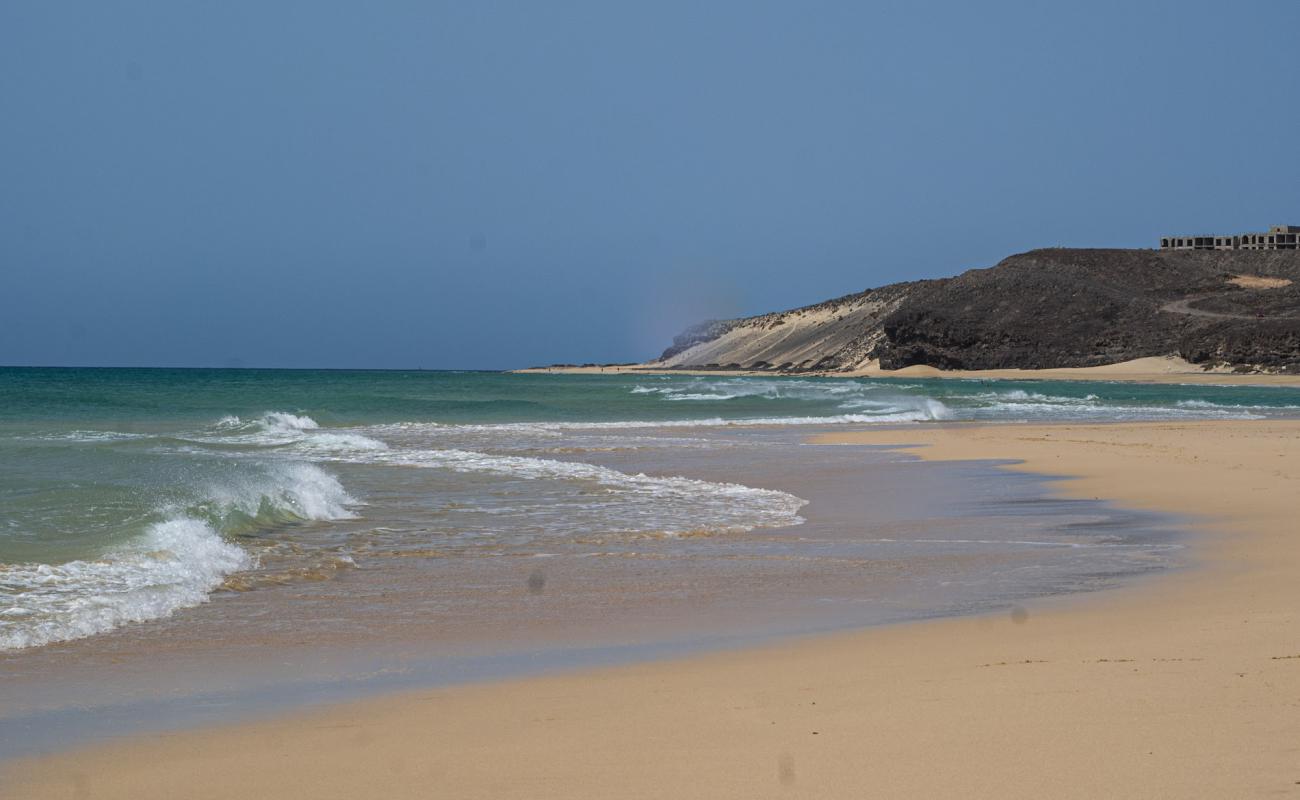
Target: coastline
1180	685
1155	369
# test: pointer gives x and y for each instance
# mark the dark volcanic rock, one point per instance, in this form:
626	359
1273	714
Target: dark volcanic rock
1036	310
1073	308
1272	344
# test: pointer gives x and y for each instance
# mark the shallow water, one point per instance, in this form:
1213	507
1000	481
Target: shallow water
205	533
126	495
885	538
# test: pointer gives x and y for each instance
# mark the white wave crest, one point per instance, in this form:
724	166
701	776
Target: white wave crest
1011	411
175	565
287	421
701	396
669	504
873	401
92	436
768	389
924	410
1022	396
297	489
1212	406
271	420
280	428
332	441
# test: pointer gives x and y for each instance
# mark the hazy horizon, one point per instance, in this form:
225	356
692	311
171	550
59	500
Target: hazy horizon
456	187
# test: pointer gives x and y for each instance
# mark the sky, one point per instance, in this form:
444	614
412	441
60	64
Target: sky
493	185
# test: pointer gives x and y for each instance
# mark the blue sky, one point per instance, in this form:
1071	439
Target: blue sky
484	185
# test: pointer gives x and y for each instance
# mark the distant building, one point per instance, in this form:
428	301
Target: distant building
1279	237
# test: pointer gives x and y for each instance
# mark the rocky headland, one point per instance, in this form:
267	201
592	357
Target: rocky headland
1044	309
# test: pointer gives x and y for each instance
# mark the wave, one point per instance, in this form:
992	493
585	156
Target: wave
670	505
866	401
280	428
281	420
332	441
702	396
1208	405
769	389
1016	411
274	494
92	436
1020	395
925	410
175	565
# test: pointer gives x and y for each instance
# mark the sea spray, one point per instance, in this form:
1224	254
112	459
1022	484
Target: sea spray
176	561
269	494
175	565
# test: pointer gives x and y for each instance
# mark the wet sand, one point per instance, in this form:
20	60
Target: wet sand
886	538
1187	685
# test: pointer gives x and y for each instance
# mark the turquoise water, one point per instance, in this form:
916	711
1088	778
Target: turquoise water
129	495
150	400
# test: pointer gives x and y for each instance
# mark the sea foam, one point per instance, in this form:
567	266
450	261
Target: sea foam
667	505
280	428
174	565
276	492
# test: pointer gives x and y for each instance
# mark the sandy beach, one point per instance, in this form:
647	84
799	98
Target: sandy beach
1185	685
649	401
1155	369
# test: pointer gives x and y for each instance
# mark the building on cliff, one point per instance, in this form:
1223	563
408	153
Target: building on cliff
1279	237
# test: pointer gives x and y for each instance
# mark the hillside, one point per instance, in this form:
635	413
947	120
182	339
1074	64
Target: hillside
1037	310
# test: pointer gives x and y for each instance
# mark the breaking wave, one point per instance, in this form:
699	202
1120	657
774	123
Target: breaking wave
923	410
780	389
273	494
611	501
867	401
175	562
244	475
174	565
279	428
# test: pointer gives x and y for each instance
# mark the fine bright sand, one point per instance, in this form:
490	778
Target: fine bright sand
1184	685
1152	369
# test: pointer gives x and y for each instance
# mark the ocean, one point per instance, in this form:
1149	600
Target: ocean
128	496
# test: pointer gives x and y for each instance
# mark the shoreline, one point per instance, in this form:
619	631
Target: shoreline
1155	369
1043	701
669	599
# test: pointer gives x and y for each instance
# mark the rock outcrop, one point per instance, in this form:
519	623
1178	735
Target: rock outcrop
1036	310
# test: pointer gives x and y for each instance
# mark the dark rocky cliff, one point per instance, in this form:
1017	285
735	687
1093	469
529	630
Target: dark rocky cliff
1036	310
